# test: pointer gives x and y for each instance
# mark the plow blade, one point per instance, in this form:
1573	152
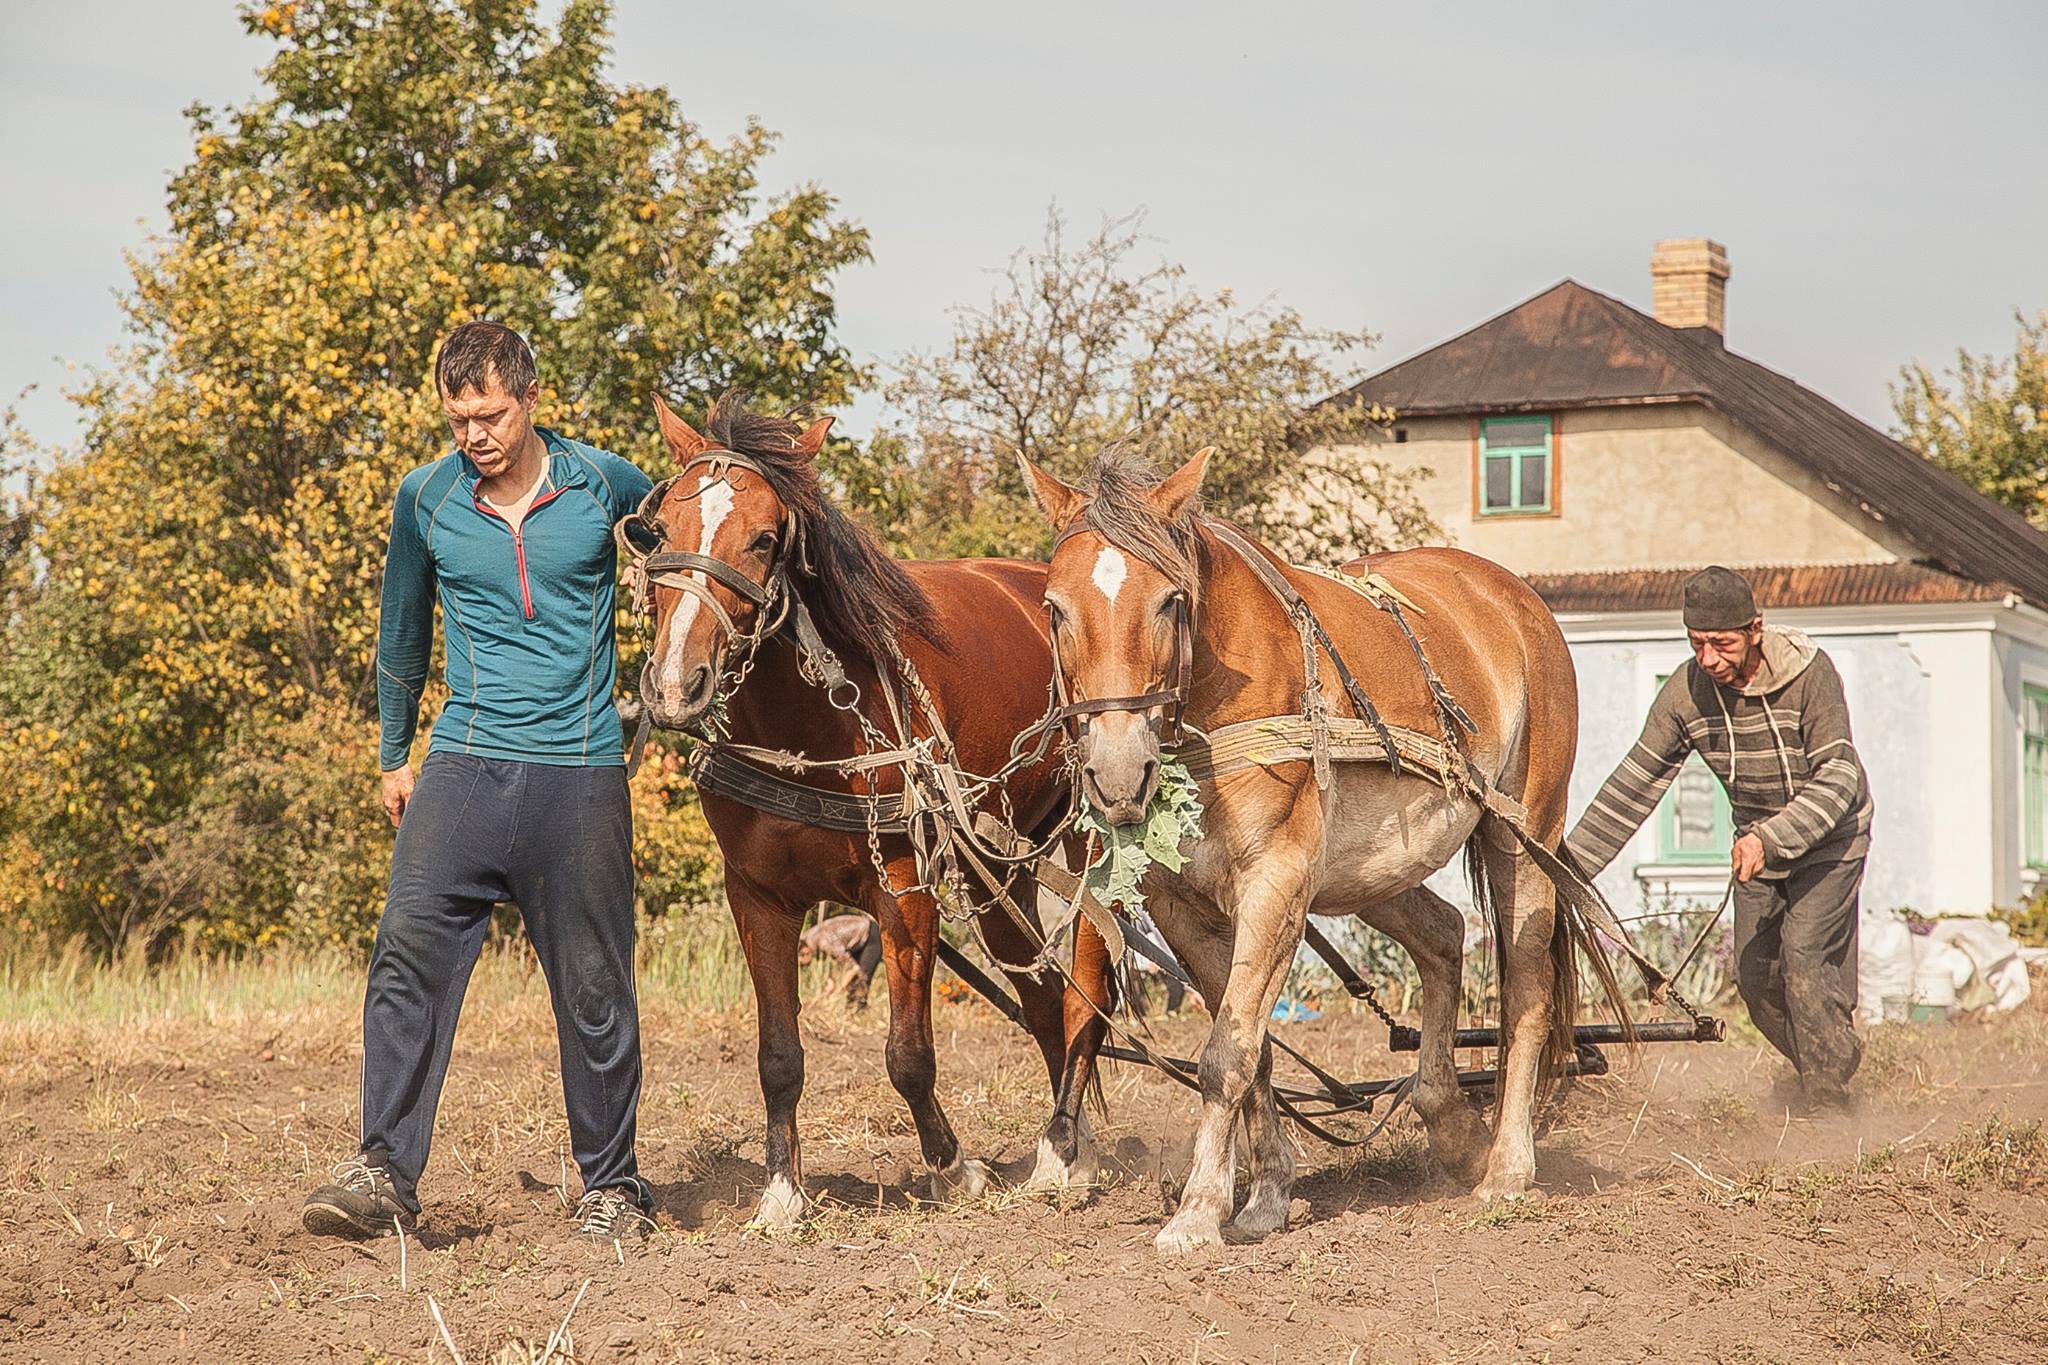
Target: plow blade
1708	1030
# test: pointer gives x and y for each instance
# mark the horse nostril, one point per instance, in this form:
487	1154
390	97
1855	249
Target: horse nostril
1146	780
697	687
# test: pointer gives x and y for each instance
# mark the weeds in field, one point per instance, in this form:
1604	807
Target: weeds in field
1886	1311
1998	1152
1506	1212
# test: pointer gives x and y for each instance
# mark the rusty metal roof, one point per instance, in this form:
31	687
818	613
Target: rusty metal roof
1572	347
1775	585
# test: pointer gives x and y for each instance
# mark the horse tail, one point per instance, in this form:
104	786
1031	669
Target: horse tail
1486	903
1576	938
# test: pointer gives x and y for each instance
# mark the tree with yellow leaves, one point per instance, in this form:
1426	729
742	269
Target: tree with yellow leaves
191	610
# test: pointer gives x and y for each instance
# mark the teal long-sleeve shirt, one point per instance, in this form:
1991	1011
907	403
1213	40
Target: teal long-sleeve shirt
528	615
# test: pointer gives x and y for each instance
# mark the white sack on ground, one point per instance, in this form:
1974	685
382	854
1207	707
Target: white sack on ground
1998	979
1885	964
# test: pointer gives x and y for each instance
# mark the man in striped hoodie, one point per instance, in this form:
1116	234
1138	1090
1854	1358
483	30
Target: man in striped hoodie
1763	706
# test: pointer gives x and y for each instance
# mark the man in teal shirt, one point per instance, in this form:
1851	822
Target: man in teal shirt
522	797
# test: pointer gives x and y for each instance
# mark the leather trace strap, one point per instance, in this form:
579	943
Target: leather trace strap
1297	607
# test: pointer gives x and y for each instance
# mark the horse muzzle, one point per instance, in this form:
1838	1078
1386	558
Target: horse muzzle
1119	767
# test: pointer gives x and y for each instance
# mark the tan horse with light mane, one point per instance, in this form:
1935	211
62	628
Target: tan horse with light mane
1135	573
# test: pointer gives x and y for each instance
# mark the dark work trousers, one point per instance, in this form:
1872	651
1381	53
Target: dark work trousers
867	957
1795	962
558	842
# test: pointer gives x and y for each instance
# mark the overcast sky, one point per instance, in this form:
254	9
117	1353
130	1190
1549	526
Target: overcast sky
1409	169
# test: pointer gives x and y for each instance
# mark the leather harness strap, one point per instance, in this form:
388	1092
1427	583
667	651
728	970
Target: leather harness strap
1173	696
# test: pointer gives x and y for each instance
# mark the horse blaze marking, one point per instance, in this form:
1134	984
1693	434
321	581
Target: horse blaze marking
1110	572
714	505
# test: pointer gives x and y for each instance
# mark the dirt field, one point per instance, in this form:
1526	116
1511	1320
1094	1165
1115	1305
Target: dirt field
155	1158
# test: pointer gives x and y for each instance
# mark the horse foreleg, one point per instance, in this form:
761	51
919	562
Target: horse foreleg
1270	1156
1433	932
1527	918
1267	925
910	934
768	934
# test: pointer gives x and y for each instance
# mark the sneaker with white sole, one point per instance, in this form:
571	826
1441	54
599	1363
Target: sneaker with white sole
607	1215
362	1201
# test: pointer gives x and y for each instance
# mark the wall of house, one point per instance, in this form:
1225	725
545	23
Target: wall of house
1934	697
1891	699
2020	648
1661	486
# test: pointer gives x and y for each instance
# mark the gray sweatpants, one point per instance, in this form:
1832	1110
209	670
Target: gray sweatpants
559	842
1795	963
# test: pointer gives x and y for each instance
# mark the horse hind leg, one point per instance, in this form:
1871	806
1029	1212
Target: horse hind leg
1432	931
1525	918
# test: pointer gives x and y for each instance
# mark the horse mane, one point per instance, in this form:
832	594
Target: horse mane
1119	510
860	597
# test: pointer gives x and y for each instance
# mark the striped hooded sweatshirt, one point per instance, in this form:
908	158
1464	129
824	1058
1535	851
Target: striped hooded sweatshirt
1780	745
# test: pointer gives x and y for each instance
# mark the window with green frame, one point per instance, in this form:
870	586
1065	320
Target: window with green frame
2034	773
1514	465
1693	821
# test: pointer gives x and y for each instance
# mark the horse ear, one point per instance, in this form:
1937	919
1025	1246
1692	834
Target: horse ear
813	439
1057	500
1172	495
683	441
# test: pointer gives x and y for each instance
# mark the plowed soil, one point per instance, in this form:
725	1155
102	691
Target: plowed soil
153	1169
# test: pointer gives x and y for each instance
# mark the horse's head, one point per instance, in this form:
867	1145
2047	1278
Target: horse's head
1121	592
718	542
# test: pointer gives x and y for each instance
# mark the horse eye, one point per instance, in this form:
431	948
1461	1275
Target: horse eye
765	542
646	536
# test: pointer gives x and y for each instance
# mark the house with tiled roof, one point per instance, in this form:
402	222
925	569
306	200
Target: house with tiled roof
1605	453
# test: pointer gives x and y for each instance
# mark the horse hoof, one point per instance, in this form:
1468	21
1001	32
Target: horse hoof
1497	1190
1187	1237
781	1210
1259	1219
1460	1143
1051	1175
960	1183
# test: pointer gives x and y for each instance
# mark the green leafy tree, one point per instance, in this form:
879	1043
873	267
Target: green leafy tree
191	617
1987	420
1083	345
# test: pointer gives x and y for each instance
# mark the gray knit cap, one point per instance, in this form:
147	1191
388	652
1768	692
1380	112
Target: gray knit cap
1718	599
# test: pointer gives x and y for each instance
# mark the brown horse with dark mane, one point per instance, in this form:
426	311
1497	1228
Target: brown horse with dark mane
747	514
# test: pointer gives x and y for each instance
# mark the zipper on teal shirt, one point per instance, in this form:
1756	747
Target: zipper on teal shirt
518	537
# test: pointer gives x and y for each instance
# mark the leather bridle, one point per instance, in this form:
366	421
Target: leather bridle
640	533
1173	695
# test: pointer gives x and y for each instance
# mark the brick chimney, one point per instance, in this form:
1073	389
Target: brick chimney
1689	284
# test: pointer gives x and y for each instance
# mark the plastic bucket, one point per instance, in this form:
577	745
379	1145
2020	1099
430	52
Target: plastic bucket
1934	992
